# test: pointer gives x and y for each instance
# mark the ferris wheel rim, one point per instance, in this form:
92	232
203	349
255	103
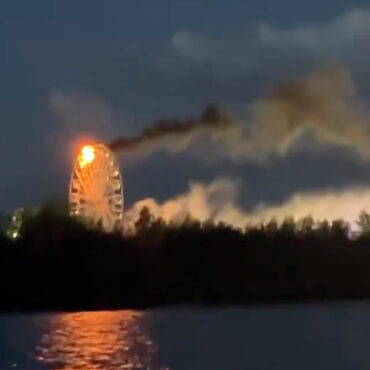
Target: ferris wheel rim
96	188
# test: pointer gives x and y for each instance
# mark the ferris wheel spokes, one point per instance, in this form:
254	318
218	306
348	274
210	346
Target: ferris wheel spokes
96	187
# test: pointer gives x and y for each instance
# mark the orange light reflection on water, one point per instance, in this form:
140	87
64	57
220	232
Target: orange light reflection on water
97	340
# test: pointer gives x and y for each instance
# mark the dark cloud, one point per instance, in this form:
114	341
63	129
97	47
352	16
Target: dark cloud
114	69
343	38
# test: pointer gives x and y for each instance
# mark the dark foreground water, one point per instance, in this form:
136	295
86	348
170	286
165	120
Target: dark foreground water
296	337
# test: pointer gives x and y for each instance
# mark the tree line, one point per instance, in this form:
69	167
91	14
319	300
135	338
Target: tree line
60	264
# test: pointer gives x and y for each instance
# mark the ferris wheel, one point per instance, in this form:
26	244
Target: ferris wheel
95	192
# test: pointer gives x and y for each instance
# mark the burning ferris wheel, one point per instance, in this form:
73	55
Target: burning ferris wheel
95	192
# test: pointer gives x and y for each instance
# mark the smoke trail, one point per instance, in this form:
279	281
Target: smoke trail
217	202
175	135
323	105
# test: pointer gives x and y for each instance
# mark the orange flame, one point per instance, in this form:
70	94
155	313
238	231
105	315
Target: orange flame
87	155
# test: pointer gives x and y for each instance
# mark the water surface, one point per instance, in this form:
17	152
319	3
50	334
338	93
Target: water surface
333	336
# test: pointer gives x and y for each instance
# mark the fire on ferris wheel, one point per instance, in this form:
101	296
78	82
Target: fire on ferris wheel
96	189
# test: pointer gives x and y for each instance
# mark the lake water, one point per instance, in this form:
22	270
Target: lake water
333	336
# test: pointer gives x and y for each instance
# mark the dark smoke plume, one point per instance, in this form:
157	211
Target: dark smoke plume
322	104
175	134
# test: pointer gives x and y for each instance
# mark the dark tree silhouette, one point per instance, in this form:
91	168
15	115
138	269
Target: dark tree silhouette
58	263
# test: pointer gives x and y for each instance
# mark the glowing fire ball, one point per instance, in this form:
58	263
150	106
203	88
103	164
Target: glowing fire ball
87	155
96	191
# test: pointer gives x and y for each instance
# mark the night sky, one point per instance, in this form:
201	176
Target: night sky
110	68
